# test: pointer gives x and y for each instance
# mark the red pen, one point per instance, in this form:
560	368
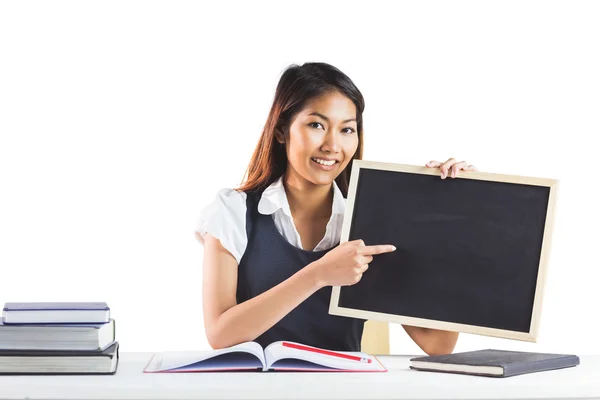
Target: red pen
326	352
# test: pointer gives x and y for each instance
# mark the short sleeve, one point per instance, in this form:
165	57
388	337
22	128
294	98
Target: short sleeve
225	219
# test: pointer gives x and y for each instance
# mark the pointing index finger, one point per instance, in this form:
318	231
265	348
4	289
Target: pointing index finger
377	249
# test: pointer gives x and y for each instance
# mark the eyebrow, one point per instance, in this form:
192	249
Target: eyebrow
327	119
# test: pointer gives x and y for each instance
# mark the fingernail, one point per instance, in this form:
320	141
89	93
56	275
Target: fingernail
393	248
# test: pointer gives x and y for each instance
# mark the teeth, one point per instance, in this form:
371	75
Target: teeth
324	162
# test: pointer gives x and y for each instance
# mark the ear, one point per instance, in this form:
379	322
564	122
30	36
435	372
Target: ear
279	136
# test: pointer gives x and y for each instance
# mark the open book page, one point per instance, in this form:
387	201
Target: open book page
281	357
244	356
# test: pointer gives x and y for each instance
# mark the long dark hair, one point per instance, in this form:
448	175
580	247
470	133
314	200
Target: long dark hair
297	85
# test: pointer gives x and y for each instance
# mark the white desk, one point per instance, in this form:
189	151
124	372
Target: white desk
400	382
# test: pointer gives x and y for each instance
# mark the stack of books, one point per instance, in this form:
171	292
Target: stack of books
58	338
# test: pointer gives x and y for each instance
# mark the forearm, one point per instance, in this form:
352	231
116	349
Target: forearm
440	342
248	320
433	341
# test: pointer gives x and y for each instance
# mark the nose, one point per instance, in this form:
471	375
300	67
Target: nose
331	142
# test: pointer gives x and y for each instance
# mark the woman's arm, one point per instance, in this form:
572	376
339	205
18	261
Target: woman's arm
432	341
228	323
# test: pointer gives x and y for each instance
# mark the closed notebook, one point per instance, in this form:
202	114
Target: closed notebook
54	362
250	356
57	336
494	363
53	312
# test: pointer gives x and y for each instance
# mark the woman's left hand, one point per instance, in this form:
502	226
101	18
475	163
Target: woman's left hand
451	167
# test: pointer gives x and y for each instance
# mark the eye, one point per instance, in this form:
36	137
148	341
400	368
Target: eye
318	123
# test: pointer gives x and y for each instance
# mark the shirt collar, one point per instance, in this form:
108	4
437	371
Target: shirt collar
274	198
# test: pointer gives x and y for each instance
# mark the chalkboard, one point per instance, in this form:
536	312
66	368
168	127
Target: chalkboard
471	251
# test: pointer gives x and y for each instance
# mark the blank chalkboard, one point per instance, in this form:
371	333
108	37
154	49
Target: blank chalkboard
471	251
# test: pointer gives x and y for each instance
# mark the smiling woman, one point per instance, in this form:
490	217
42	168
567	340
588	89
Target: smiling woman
315	105
320	143
272	246
325	141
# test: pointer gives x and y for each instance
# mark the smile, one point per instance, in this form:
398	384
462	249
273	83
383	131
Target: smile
324	162
324	165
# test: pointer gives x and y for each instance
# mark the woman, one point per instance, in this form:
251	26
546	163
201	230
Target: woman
271	246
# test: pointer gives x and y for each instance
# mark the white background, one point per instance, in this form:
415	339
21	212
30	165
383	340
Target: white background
120	120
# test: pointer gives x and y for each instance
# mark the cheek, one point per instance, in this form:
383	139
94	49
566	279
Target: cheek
302	144
350	145
310	139
297	152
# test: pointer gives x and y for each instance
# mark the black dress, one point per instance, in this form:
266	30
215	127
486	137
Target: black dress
270	259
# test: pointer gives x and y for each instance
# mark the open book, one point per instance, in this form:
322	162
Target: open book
278	356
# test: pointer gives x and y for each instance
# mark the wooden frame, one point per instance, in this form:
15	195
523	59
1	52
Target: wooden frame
530	336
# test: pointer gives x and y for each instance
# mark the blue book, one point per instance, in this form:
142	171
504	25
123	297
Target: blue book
56	313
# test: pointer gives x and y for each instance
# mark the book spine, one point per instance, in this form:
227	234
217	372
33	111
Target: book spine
543	365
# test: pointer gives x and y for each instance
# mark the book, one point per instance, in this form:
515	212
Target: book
250	356
57	336
57	362
52	312
494	363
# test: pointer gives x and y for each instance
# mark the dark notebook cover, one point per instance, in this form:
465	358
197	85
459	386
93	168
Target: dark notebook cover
512	362
110	352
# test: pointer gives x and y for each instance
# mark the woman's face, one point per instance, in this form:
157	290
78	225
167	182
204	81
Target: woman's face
322	139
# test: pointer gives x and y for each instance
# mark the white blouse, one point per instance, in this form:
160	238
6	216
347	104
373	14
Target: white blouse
225	218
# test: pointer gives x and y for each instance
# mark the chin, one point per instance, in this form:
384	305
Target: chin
322	179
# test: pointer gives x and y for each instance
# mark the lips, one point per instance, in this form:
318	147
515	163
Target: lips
324	161
323	167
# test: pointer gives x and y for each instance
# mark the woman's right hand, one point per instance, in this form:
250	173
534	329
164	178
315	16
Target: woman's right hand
345	264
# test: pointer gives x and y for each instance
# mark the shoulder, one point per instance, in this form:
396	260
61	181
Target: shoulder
226	201
224	217
228	197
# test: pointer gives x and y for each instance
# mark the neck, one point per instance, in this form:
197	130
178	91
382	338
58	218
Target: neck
307	200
